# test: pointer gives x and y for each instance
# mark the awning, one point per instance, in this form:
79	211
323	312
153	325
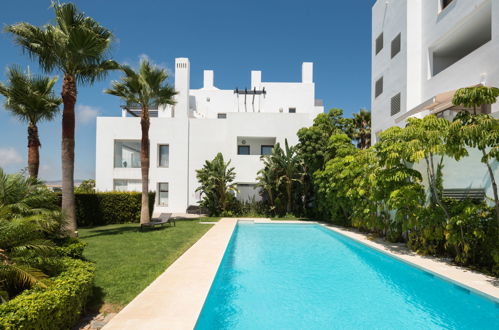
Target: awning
434	105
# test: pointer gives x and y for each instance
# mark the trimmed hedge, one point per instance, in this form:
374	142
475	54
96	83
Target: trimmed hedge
104	208
57	307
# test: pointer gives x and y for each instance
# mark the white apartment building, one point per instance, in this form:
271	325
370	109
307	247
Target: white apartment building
423	50
243	124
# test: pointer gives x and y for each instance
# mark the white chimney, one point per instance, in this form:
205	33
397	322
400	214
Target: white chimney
307	72
208	79
256	79
182	77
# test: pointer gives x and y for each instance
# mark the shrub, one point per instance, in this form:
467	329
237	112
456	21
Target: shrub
71	247
56	307
103	208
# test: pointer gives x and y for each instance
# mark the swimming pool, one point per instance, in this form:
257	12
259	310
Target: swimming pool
295	276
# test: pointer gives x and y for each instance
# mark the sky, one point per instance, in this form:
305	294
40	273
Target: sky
231	37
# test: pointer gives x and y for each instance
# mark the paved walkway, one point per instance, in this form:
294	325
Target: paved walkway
175	299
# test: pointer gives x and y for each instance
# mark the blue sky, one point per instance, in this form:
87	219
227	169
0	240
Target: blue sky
230	37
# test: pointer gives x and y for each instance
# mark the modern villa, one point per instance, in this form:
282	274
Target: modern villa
423	51
243	124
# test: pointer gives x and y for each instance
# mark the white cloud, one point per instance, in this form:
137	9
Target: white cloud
86	114
9	156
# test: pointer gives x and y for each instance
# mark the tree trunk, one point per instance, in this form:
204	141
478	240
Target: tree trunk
33	150
67	152
144	164
494	188
433	187
288	207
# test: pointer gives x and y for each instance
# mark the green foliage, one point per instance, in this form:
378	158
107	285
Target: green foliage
216	180
30	97
86	187
473	97
55	307
361	128
76	45
102	208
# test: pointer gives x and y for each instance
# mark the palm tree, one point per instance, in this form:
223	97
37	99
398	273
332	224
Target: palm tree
76	46
288	164
361	127
216	182
31	99
28	214
266	181
146	88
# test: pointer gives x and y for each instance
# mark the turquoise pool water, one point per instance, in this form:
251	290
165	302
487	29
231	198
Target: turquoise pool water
280	276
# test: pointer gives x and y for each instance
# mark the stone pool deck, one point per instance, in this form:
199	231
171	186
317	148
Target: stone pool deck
175	299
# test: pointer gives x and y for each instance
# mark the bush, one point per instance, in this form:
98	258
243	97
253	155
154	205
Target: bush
71	247
57	307
97	209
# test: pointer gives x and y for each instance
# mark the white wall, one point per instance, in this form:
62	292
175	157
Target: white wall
423	26
195	135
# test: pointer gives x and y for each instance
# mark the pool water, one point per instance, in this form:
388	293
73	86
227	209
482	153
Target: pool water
296	276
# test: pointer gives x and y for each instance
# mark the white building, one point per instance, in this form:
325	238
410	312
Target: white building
423	50
242	124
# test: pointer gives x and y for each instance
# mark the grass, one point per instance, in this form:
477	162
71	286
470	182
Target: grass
128	260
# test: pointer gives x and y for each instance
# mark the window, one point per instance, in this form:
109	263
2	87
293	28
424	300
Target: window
445	3
379	43
163	194
266	150
395	104
126	154
127	185
396	45
378	88
292	110
243	150
472	33
222	116
163	155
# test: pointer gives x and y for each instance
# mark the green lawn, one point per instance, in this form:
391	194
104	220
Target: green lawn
128	260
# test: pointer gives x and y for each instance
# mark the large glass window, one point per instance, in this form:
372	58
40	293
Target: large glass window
266	150
163	194
163	155
127	185
126	154
243	150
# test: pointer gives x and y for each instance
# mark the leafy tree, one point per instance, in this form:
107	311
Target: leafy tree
481	132
148	89
425	140
31	99
474	97
86	187
216	180
361	128
77	46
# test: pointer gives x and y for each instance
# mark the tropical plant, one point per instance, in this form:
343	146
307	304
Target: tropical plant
30	98
266	181
146	88
216	180
481	132
474	97
77	46
361	128
24	197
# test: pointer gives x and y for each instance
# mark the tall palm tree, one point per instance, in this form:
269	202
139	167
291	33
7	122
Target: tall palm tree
146	88
361	127
31	99
77	46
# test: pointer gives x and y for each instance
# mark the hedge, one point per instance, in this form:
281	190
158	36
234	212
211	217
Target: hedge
103	208
57	307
